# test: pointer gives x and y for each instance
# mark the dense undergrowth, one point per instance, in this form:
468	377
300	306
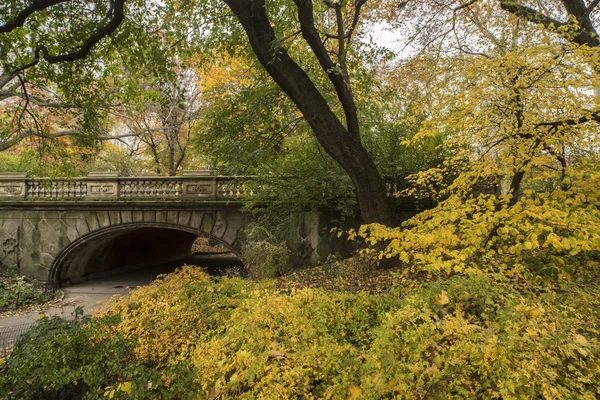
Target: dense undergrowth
19	293
191	336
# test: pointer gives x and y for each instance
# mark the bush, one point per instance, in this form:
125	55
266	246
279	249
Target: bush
190	336
56	360
62	360
17	291
264	255
481	337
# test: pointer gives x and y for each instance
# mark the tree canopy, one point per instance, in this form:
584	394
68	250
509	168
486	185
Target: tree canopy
494	111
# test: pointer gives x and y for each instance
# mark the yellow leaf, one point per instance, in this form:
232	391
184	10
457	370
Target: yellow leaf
125	387
442	298
354	392
580	339
278	355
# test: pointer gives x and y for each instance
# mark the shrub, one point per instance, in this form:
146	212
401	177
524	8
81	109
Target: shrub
481	337
56	360
190	336
288	346
169	317
264	255
17	291
61	360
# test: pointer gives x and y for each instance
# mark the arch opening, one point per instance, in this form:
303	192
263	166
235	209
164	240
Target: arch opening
135	247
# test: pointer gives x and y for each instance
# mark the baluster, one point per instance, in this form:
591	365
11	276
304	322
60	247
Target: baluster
35	189
126	189
134	189
221	189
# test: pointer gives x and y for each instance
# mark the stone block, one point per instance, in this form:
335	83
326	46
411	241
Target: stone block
103	219
138	216
93	223
72	233
82	227
230	236
161	217
184	218
12	186
219	229
149	216
172	217
114	217
26	227
102	186
208	221
200	190
10	227
126	217
196	220
46	259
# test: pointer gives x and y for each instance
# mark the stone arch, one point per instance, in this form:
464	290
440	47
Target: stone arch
100	244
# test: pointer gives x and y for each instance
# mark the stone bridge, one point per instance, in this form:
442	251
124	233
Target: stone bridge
69	230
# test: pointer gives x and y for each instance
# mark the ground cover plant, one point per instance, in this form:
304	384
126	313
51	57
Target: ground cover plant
19	293
192	336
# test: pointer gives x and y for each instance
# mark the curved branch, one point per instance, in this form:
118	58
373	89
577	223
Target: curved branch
584	32
313	38
530	14
4	145
118	16
26	13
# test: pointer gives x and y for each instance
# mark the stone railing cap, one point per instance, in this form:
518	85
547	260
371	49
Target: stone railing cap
204	172
13	175
102	174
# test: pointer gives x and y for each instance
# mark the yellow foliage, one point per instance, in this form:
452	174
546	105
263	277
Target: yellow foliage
466	337
526	195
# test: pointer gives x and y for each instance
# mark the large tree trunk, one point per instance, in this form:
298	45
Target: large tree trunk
345	148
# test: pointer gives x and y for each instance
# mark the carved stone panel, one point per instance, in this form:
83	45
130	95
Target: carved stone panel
101	190
12	190
202	189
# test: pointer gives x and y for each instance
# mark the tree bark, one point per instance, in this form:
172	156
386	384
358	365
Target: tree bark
344	147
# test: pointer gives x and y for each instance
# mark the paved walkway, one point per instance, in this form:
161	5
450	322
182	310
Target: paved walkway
94	294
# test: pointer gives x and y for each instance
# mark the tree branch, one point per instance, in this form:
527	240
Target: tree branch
592	6
117	17
21	17
529	14
584	34
340	83
4	145
6	79
357	6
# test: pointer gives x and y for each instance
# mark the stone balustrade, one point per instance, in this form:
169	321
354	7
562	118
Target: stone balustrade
192	185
